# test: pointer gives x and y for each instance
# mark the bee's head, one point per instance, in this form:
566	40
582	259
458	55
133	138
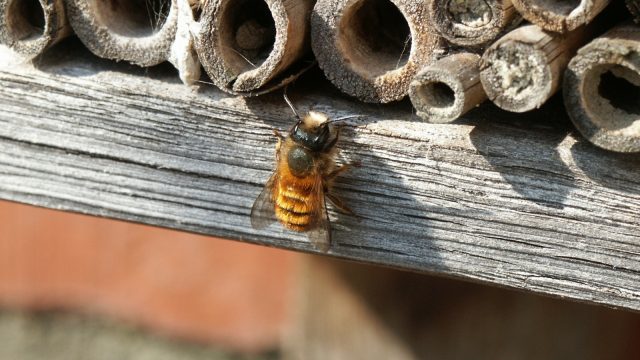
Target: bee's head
312	131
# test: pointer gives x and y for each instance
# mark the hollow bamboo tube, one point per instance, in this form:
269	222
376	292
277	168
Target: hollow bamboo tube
602	90
371	49
560	15
138	31
252	46
471	22
634	8
29	27
524	68
447	89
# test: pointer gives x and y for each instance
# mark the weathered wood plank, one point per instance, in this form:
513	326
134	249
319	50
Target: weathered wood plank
517	202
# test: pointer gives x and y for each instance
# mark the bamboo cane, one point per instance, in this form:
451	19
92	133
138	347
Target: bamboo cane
448	89
253	46
560	15
371	49
29	27
602	90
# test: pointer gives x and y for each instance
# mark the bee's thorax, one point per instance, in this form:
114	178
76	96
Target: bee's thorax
300	161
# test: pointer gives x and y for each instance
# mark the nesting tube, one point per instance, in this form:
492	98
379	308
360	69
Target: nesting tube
560	15
253	46
471	22
137	31
524	68
447	89
371	49
29	27
602	90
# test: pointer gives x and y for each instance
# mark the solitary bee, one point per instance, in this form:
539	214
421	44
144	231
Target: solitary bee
305	170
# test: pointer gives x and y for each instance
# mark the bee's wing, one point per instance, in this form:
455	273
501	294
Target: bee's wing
320	234
262	211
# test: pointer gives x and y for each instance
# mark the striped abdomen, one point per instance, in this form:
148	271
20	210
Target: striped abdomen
296	202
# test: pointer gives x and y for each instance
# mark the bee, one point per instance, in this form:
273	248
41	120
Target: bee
303	179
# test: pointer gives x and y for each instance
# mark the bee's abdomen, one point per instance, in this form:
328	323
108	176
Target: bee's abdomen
295	206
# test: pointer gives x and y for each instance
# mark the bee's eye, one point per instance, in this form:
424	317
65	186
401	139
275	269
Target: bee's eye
297	132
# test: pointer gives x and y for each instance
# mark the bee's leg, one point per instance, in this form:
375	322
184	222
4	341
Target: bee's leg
277	134
339	204
279	143
332	175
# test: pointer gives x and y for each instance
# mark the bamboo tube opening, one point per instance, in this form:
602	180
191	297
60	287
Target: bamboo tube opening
247	32
132	18
471	22
26	20
29	27
620	91
436	95
448	88
251	47
372	49
614	94
602	90
138	31
375	37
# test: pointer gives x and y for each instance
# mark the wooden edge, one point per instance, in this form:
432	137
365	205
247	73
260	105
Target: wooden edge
517	202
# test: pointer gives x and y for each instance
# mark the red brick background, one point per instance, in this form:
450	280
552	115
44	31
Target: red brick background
226	293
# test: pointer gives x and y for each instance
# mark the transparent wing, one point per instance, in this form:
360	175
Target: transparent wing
262	211
320	234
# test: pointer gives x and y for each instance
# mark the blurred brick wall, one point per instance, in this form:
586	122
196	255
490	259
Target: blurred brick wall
221	292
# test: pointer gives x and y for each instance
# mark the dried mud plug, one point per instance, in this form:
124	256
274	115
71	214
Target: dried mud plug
472	23
253	46
371	49
29	27
560	16
602	90
137	31
524	68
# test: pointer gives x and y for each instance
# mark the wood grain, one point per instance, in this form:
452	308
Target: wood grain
510	201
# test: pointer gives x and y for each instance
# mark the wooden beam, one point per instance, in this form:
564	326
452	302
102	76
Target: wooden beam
514	201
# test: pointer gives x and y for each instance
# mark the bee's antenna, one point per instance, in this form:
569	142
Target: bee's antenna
344	118
286	98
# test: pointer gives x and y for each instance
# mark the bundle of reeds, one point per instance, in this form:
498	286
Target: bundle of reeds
449	56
